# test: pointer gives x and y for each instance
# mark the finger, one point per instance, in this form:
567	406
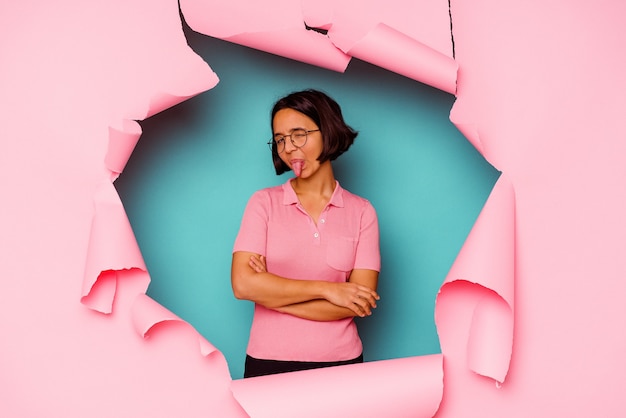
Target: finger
354	308
364	306
369	291
261	261
357	309
368	298
255	265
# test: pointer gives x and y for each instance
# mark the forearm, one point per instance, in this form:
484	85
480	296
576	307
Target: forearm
318	310
273	291
325	310
251	281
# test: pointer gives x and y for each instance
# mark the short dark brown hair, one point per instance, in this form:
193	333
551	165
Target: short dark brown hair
337	136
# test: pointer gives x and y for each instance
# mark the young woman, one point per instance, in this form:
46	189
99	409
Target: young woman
307	252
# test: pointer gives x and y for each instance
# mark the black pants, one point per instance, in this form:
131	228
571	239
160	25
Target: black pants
257	367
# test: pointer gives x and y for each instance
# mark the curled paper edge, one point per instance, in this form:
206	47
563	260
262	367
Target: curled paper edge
121	145
162	101
488	253
112	246
102	293
287	36
413	387
490	343
485	342
302	45
395	51
200	79
491	329
146	313
470	131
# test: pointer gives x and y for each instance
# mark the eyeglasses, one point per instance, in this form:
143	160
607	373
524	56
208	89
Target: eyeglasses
297	137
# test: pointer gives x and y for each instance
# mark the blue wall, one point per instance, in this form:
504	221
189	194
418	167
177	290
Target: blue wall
196	165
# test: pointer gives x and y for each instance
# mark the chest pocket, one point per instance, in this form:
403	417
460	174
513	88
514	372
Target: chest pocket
341	252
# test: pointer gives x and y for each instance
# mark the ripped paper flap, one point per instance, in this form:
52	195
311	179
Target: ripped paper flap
402	387
112	246
484	270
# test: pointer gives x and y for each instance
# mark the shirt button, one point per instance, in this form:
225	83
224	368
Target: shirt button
323	220
316	235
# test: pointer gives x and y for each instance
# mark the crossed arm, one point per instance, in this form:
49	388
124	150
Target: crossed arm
317	300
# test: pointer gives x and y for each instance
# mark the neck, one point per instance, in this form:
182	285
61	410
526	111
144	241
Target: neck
321	183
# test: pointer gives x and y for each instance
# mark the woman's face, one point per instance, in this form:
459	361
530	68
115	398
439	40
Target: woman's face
285	121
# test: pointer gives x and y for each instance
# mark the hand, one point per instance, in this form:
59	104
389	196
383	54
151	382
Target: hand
258	264
358	298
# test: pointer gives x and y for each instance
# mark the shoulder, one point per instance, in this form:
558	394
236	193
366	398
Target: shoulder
359	207
267	196
268	192
353	200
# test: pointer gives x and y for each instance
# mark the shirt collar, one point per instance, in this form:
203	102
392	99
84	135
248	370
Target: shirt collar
290	197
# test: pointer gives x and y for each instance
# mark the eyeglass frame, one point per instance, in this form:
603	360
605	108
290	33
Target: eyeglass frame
273	142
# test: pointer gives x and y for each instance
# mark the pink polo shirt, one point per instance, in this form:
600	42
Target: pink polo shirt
345	238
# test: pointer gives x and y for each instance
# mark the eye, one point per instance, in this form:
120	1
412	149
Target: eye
279	140
298	134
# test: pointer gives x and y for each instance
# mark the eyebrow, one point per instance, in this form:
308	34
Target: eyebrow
293	129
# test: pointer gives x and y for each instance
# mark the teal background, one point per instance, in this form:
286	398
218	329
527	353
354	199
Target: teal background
195	166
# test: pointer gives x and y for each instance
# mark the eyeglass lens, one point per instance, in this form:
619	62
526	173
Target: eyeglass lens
297	137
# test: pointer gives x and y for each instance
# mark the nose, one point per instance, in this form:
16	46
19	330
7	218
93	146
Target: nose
289	146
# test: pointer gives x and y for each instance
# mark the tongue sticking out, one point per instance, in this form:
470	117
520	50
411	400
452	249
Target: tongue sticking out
297	167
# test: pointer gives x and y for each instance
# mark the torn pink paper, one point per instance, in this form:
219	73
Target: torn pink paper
121	145
349	21
189	85
554	129
112	246
147	314
281	31
298	44
404	387
395	51
112	252
409	38
487	260
375	32
470	132
102	293
75	76
488	254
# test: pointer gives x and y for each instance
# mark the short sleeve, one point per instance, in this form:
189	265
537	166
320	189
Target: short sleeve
368	246
252	236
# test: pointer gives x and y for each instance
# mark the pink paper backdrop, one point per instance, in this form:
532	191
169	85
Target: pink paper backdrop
534	302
